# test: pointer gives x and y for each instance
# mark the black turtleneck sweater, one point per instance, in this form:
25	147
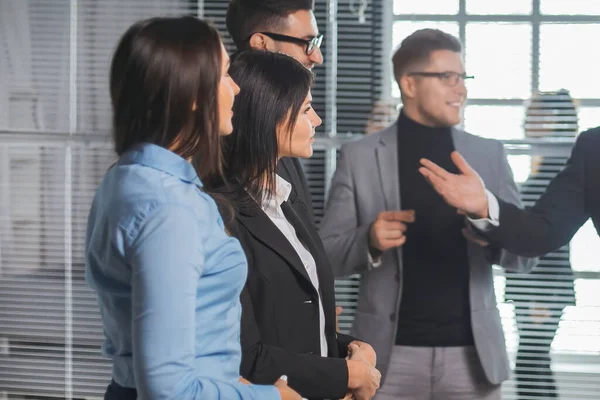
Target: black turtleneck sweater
435	308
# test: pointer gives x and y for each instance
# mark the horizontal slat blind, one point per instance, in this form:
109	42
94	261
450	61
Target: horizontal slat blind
360	59
361	62
54	67
316	171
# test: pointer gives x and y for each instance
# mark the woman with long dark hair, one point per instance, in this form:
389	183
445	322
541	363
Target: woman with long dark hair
167	276
288	317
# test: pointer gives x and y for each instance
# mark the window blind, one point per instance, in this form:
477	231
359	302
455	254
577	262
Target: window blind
54	149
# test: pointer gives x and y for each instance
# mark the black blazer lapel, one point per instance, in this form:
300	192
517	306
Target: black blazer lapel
297	215
263	229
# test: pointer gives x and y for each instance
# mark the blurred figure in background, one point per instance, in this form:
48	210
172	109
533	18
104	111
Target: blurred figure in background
384	113
540	296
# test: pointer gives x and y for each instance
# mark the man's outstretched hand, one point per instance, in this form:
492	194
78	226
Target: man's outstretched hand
464	191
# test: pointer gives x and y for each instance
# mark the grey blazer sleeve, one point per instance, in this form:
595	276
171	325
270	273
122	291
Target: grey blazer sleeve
345	241
507	191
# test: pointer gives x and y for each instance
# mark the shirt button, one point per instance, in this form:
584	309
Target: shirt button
397	277
392	317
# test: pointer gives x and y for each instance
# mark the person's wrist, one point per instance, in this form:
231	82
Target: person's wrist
483	212
282	393
373	250
355	373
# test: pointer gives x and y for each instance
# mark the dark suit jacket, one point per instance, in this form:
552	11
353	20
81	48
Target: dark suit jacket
572	197
280	312
553	271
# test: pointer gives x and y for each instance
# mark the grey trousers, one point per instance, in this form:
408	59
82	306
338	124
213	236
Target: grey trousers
436	373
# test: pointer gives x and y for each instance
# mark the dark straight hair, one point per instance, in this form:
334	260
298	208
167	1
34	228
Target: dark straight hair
246	17
416	49
273	88
161	69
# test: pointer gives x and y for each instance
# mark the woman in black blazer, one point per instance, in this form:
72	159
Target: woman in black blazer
288	304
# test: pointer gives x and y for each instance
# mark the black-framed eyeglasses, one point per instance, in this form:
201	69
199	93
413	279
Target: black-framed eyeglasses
449	78
310	44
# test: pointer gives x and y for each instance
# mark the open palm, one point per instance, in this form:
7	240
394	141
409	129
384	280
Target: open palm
464	191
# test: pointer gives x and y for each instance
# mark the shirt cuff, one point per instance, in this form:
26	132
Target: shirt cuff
485	224
373	263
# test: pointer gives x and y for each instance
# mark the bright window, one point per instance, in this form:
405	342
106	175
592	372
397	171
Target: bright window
404	7
506	76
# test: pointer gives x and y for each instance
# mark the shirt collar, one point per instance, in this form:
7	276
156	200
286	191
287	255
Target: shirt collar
282	193
157	157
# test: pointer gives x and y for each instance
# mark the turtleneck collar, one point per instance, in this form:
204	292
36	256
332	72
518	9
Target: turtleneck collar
408	126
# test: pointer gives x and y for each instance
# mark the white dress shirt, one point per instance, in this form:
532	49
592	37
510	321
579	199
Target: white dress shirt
273	210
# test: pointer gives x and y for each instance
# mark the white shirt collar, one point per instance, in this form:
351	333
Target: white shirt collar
283	189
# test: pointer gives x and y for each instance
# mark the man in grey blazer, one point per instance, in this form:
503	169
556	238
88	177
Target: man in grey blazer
426	301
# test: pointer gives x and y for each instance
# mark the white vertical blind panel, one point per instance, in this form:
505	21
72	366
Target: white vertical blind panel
50	330
100	25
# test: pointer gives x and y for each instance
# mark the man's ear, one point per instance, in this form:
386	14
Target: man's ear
259	41
407	86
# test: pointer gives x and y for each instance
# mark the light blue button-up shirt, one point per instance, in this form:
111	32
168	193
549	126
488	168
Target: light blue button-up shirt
168	280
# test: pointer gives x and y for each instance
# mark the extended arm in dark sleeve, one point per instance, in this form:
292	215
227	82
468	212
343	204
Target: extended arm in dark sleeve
555	217
508	192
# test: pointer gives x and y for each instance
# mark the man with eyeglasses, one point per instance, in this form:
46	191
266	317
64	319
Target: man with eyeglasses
284	26
426	301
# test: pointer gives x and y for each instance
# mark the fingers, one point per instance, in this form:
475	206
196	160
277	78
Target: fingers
357	353
281	382
244	380
462	164
387	231
338	311
438	183
471	236
349	396
435	169
353	350
397	216
391	243
392	232
369	354
391	235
